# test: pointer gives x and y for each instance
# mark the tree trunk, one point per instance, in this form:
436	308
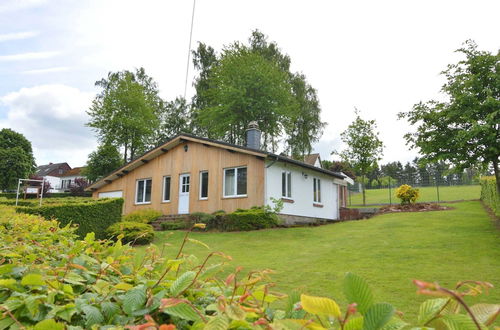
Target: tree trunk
363	187
497	174
125	151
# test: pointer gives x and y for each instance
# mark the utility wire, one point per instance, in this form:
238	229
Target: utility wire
189	50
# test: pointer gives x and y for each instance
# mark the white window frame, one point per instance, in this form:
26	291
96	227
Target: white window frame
317	192
235	182
144	191
288	185
169	190
201	185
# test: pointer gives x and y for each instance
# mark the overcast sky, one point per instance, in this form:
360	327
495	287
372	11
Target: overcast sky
379	56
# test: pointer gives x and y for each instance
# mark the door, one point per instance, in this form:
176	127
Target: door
184	194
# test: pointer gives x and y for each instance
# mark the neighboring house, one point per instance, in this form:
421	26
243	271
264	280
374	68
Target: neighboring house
313	159
193	174
68	178
51	173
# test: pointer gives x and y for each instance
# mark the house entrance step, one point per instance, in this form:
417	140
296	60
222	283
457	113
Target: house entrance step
167	218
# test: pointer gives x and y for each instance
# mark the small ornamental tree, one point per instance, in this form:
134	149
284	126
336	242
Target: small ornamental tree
78	187
407	194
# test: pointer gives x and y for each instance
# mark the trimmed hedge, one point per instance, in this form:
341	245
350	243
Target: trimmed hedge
489	194
94	216
49	195
142	216
133	232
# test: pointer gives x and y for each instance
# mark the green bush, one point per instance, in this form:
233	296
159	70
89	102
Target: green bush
90	216
489	194
133	232
50	195
255	218
142	216
174	225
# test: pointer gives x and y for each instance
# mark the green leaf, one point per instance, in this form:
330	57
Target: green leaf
319	306
195	241
74	278
183	311
355	323
458	322
377	316
7	282
67	312
235	312
6	323
134	299
92	315
109	309
49	324
32	279
429	309
486	313
5	269
182	283
395	324
357	291
219	322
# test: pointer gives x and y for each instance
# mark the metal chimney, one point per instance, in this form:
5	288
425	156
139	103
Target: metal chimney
253	135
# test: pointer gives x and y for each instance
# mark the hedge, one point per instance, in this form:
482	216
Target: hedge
489	194
49	195
94	216
133	232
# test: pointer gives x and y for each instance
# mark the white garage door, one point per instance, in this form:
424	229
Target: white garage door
111	194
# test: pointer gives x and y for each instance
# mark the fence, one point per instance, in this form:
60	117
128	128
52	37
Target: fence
432	188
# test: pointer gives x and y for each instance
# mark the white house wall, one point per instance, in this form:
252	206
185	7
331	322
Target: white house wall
302	191
55	182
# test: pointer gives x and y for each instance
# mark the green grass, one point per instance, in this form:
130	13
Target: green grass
427	194
388	251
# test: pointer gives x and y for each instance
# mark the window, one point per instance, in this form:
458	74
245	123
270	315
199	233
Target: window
143	191
286	184
235	182
317	190
166	189
204	185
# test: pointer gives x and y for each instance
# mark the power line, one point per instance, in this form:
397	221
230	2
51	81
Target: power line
189	50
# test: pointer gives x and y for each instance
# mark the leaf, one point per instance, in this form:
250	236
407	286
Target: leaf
7	282
74	278
5	269
235	312
355	323
123	286
458	322
183	311
182	283
6	323
195	241
308	324
219	322
109	309
33	279
395	324
429	309
49	324
92	315
320	306
377	316
67	312
357	291
134	299
486	313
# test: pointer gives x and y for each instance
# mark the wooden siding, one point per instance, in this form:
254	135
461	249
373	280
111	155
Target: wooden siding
199	157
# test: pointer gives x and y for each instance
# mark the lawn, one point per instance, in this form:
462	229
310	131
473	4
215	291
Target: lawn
388	251
427	194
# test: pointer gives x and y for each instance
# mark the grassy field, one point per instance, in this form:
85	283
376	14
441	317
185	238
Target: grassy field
388	251
427	194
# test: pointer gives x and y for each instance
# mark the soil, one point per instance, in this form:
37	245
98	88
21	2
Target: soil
417	207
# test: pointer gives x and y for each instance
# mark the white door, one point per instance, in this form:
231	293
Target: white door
111	194
184	194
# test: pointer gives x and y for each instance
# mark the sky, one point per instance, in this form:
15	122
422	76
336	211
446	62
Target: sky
379	56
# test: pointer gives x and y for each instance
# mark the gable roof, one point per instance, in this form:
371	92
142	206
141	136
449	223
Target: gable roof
75	171
184	137
311	159
44	170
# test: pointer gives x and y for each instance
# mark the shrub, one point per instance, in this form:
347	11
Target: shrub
174	225
256	218
133	232
90	216
489	194
78	187
142	216
407	194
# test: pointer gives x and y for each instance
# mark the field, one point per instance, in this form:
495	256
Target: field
388	251
427	194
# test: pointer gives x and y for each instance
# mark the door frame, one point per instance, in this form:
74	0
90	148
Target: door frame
184	195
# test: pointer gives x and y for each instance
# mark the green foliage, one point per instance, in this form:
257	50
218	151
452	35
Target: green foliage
90	216
132	232
103	161
16	158
174	225
464	129
490	195
407	194
142	216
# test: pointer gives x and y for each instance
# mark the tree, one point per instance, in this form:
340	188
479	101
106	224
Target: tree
464	129
16	158
364	148
343	167
174	119
102	161
126	111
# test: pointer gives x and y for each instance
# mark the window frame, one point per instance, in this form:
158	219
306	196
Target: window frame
144	191
235	182
317	190
201	185
163	200
288	184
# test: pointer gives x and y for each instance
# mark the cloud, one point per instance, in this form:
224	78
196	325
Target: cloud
29	56
18	35
52	117
14	5
47	70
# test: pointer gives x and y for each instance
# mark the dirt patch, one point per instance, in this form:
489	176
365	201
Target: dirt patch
417	207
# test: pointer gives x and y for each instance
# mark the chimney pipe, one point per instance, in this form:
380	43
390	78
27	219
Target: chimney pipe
253	135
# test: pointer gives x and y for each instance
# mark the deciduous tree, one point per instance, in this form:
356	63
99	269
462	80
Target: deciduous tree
103	161
16	158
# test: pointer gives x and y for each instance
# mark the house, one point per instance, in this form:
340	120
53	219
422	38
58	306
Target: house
69	177
313	159
190	174
51	173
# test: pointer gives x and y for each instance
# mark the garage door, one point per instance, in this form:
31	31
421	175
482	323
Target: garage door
111	194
